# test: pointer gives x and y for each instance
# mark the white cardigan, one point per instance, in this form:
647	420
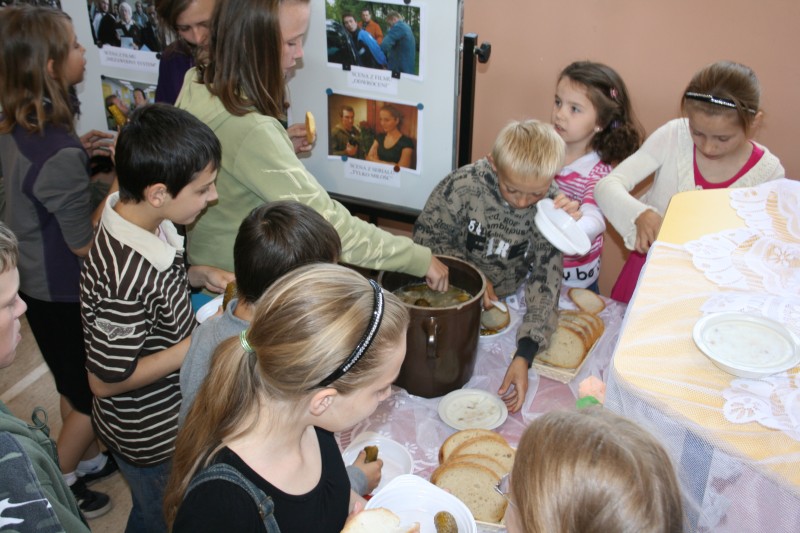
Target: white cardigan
669	152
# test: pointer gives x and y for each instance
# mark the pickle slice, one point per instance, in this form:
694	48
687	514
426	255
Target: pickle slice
372	454
445	522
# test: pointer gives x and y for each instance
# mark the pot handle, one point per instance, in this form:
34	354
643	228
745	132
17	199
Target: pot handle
431	327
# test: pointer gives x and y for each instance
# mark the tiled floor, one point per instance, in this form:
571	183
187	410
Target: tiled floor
26	384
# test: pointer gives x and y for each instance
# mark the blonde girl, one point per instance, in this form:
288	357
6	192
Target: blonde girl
322	351
592	112
591	470
48	206
710	148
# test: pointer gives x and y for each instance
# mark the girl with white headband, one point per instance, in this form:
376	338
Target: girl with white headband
257	451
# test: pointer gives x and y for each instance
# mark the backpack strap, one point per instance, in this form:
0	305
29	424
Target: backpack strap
228	473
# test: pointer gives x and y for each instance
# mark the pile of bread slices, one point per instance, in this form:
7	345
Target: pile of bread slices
577	331
472	462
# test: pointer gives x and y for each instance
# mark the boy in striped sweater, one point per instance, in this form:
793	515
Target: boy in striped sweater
135	302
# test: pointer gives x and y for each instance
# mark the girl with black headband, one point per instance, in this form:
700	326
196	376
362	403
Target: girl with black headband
257	451
711	147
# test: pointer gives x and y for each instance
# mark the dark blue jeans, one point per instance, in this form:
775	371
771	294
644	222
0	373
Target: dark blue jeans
147	485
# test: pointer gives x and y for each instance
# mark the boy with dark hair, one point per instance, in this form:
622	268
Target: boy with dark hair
135	303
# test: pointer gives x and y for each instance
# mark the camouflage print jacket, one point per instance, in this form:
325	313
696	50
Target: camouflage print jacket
466	217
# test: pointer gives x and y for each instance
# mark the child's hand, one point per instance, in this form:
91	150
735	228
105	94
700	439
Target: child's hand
372	470
647	226
98	142
210	278
297	133
437	276
572	207
515	384
489	296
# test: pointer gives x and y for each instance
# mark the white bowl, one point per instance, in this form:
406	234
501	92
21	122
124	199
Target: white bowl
415	500
471	409
745	345
209	309
396	459
560	229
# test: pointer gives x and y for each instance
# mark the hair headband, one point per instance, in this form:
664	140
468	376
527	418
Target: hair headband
366	339
711	99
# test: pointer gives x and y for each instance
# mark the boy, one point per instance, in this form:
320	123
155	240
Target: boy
135	304
273	240
483	213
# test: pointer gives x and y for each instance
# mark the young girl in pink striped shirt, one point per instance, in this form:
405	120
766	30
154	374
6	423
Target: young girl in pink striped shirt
592	113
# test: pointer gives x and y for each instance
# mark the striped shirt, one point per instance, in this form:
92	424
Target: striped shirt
135	302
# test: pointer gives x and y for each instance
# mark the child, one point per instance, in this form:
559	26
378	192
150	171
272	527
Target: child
591	470
34	491
274	239
710	148
592	113
483	213
322	351
45	169
241	97
135	302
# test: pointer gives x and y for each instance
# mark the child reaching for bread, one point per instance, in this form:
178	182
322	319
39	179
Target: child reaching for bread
710	148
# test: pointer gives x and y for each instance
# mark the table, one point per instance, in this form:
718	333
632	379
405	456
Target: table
736	249
414	422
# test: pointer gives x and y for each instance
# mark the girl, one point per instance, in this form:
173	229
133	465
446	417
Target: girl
592	113
709	148
322	351
391	146
48	206
591	470
240	94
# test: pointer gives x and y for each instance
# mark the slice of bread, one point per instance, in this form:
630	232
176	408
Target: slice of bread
489	447
566	350
456	439
587	300
492	464
579	325
374	520
474	485
495	319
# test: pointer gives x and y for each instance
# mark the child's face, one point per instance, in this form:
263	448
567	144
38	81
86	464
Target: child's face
574	116
190	202
192	24
75	65
293	18
11	308
521	192
716	136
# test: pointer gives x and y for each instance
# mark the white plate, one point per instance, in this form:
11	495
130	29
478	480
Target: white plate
746	346
415	500
396	459
512	326
209	308
560	229
472	408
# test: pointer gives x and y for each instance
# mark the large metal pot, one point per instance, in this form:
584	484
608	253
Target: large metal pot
442	341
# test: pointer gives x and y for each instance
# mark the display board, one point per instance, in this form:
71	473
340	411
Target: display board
408	89
425	94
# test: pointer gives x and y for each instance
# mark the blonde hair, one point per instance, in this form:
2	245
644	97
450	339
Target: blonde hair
593	471
529	148
304	327
9	249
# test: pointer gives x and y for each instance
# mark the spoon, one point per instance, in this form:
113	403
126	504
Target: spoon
500	305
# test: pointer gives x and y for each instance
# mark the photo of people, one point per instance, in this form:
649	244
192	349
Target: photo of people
120	97
373	130
55	4
374	35
125	24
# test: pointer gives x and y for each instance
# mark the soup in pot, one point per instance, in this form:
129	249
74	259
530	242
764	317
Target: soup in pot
421	295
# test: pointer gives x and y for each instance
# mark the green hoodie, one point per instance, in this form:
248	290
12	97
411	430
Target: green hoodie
259	165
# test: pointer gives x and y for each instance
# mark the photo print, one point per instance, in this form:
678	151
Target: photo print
381	36
120	97
126	32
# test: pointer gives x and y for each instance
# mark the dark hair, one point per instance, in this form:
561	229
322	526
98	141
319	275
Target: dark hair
276	238
162	144
169	11
144	94
347	14
728	81
346	108
621	133
396	113
31	36
244	65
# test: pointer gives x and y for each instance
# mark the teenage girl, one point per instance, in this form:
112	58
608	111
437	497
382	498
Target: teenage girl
322	351
592	113
48	206
591	470
710	148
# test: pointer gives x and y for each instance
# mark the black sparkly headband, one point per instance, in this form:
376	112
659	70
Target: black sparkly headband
711	99
366	340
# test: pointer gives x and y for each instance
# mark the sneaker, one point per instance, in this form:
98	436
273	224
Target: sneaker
93	477
92	504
